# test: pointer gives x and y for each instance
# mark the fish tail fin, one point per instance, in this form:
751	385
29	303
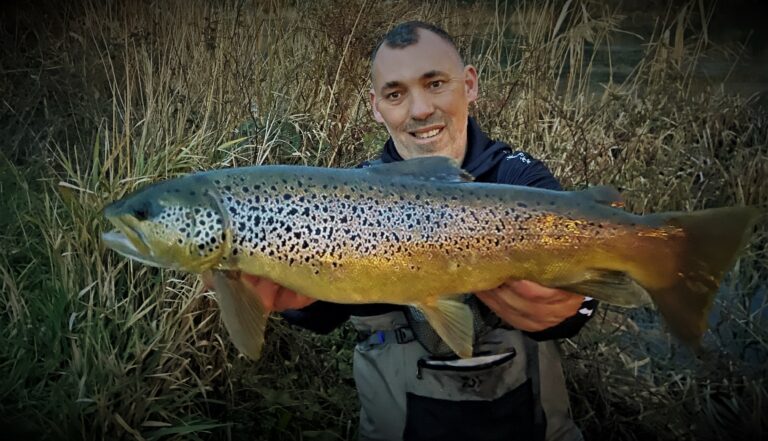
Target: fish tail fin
244	316
452	320
708	247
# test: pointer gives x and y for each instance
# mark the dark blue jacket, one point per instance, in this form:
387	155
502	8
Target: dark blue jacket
487	161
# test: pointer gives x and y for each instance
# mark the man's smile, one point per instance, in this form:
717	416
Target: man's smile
427	133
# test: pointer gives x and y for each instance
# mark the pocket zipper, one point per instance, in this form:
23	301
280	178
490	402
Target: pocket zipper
423	363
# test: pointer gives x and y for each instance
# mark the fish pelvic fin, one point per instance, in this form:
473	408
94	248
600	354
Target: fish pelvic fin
243	313
453	322
712	240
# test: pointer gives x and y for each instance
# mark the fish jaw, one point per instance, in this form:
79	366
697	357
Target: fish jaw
130	241
121	244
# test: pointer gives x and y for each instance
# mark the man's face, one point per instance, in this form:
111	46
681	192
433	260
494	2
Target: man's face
422	93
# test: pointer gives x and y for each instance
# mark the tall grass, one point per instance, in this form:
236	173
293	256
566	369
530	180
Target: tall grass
105	97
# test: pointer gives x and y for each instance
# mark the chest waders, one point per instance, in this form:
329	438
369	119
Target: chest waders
513	389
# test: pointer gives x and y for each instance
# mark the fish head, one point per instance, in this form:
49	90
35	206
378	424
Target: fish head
174	224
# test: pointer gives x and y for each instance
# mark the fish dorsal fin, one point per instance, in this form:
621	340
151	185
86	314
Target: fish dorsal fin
427	168
603	194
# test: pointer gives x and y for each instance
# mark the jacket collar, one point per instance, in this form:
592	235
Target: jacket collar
481	156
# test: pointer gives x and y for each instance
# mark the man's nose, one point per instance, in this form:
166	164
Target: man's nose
421	106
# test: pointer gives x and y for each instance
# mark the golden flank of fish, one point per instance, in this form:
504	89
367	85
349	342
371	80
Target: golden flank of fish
419	233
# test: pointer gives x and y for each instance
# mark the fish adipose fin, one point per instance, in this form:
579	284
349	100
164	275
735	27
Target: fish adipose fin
427	168
711	243
244	316
614	287
453	322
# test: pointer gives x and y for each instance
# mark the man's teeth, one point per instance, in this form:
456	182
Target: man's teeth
429	134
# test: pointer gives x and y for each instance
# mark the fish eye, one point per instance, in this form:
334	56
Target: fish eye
141	213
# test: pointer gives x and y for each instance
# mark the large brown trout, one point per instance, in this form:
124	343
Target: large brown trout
419	233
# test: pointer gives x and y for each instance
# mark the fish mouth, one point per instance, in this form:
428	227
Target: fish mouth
129	241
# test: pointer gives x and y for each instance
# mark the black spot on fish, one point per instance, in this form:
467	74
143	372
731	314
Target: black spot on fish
227	188
287	197
292	212
245	189
522	205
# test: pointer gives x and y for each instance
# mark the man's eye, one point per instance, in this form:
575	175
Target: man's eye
393	95
436	84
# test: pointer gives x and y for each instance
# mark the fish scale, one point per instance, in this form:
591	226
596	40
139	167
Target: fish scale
417	233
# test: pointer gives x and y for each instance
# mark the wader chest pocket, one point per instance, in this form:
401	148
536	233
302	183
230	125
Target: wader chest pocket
482	398
509	417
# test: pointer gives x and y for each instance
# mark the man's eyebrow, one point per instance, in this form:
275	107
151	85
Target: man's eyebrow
434	73
427	75
390	85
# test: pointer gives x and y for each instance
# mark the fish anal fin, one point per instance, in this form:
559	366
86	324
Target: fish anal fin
453	322
614	287
243	313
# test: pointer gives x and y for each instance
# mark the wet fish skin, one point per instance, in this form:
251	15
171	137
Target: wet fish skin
417	233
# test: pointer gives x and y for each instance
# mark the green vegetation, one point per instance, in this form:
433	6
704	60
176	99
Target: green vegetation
102	97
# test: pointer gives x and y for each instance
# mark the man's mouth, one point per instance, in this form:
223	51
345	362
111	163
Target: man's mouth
427	134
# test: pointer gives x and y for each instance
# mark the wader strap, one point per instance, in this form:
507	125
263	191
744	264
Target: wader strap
532	367
400	335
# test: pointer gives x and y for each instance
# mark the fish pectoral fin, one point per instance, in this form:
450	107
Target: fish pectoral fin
609	286
243	313
453	322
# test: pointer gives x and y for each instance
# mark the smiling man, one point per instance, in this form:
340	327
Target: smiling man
421	92
410	385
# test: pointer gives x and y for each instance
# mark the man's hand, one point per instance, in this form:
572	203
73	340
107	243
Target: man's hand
273	296
529	306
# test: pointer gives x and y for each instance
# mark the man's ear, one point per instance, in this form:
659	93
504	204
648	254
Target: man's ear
470	83
374	107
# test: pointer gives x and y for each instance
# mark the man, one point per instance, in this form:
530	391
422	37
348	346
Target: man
513	388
